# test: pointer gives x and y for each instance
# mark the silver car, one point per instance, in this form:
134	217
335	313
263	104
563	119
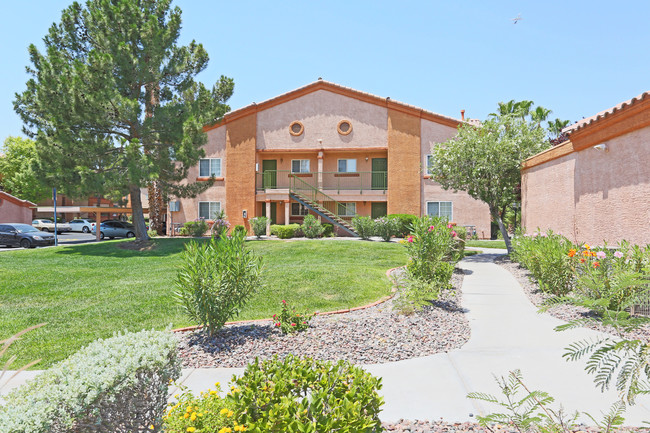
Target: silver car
81	225
115	229
46	225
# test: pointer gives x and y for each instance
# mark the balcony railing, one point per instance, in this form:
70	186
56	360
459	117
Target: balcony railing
331	181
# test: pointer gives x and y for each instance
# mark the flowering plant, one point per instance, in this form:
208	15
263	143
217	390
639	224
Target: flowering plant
290	321
386	227
220	225
311	227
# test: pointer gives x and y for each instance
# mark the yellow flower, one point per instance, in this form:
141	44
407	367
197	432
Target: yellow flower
186	415
213	392
217	383
240	428
191	429
151	427
230	413
223	411
225	430
193	417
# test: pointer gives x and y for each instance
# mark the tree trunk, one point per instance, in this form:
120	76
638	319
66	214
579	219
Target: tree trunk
138	214
504	231
155	208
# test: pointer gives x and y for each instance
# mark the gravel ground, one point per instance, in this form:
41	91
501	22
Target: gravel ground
447	427
374	335
563	312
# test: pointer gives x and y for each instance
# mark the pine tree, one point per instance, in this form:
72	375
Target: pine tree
113	105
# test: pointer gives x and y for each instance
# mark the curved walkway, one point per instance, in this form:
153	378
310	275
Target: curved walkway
507	334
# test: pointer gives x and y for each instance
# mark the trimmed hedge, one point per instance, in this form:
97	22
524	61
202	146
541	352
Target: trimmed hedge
119	385
285	232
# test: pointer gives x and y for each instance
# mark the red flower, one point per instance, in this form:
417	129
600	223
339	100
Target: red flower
284	302
596	264
277	325
582	260
293	324
304	323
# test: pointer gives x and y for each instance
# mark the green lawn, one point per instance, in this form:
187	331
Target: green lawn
487	244
89	291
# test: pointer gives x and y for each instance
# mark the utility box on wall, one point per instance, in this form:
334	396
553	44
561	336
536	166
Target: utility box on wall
175	206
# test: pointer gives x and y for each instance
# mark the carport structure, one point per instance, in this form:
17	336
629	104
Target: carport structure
97	210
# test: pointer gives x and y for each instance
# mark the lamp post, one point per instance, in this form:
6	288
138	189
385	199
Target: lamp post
56	233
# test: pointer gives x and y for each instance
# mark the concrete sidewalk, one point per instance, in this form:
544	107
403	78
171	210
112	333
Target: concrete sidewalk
507	334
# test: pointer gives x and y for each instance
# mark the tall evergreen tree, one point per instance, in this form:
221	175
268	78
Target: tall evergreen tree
113	105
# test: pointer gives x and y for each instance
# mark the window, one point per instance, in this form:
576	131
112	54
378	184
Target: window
443	209
347	209
210	167
299	166
296	128
429	163
347	165
297	209
344	127
208	209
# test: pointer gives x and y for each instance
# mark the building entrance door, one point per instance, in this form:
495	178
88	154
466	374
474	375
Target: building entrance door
269	170
379	173
378	209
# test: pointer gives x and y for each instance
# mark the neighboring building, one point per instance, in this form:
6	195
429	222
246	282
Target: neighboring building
330	150
64	203
594	187
15	210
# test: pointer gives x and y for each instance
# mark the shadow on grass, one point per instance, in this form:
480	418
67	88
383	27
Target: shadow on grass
159	248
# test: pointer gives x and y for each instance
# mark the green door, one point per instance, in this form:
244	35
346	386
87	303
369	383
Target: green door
269	168
379	173
378	209
274	211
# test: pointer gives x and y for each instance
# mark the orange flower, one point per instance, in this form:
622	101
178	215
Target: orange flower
593	254
572	252
587	247
582	260
586	253
596	264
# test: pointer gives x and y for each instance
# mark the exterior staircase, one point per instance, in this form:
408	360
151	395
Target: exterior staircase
319	202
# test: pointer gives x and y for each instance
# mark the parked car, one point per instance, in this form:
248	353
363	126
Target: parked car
115	229
48	226
24	235
81	225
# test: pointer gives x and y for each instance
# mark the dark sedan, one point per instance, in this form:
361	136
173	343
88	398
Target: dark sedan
26	236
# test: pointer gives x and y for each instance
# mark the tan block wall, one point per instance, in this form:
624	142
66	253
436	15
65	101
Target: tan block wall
240	166
320	112
404	176
609	192
13	213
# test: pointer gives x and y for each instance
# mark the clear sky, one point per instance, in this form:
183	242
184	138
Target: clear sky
574	57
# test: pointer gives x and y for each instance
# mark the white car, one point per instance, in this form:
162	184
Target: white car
82	225
48	226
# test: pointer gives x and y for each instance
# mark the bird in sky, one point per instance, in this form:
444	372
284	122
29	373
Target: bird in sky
516	19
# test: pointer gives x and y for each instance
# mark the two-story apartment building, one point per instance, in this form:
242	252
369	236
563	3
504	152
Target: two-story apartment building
330	150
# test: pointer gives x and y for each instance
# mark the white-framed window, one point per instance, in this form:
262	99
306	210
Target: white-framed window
347	165
208	209
299	166
443	209
297	209
347	209
429	163
210	167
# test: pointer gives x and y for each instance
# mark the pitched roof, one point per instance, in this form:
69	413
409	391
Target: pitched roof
585	123
15	200
342	90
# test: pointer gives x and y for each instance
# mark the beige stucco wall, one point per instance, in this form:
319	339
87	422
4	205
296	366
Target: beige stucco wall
13	213
320	112
608	191
465	210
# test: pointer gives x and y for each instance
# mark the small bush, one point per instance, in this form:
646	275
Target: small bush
311	227
216	279
115	385
328	230
386	228
207	413
184	231
290	321
285	231
259	226
364	226
433	241
240	228
302	394
405	223
196	228
152	233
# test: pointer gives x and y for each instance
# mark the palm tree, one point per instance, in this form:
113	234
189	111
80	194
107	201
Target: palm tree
555	127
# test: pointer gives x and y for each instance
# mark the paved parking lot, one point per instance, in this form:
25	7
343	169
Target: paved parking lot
68	238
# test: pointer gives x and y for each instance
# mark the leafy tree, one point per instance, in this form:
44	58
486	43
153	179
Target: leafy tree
18	170
485	161
113	104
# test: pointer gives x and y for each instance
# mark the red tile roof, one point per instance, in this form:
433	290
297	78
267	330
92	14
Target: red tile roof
585	123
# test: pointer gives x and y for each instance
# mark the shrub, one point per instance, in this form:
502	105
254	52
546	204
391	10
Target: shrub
432	241
328	230
196	228
290	321
259	226
545	255
364	226
405	223
119	385
152	233
311	227
285	231
216	279
220	225
240	228
302	394
207	413
184	231
386	228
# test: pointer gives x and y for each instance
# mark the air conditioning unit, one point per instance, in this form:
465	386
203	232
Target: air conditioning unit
174	206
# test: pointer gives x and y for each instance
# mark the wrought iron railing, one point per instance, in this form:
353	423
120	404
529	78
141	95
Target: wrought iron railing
331	181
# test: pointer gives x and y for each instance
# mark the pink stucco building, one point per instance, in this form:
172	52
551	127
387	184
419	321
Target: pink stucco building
326	146
595	187
15	210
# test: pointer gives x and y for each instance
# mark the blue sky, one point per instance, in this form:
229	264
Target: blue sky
576	58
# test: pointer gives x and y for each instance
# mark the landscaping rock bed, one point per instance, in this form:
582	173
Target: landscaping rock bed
406	426
373	335
563	312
